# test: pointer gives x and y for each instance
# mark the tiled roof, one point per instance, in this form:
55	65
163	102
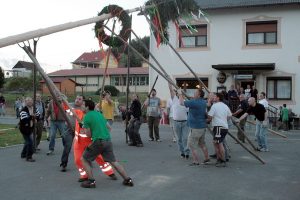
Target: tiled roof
57	80
24	64
216	4
99	71
92	57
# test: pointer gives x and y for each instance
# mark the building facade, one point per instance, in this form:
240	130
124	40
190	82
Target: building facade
91	79
244	43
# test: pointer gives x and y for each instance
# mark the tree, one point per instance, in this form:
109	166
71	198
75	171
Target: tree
1	78
17	83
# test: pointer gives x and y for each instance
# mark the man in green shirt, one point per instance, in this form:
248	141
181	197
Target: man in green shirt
96	127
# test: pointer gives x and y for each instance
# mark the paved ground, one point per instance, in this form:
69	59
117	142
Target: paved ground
158	173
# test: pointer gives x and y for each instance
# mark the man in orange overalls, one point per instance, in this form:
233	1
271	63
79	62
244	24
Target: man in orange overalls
81	141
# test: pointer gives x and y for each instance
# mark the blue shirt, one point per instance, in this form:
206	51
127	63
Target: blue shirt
197	113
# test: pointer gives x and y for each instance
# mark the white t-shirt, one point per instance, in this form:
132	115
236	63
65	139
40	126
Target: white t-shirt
177	111
169	105
219	113
264	102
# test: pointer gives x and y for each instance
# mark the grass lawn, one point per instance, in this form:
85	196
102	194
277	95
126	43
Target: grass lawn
9	135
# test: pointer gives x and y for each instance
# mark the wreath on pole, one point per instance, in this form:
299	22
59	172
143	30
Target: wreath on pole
123	16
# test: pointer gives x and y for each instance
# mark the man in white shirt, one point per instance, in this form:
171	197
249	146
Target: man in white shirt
218	115
263	100
179	116
248	92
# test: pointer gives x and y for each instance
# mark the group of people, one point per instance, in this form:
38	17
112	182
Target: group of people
191	119
89	133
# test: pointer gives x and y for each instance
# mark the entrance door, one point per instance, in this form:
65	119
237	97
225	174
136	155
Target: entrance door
244	83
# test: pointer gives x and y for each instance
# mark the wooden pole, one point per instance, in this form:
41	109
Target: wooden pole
107	61
243	133
174	50
127	87
147	61
240	143
246	148
49	84
149	93
34	94
270	130
15	39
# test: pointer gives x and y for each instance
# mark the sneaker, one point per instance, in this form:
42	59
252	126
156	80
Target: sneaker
264	150
140	145
30	160
158	140
187	157
213	156
113	177
88	184
174	140
128	182
151	139
63	167
131	144
80	180
50	152
220	163
206	162
182	155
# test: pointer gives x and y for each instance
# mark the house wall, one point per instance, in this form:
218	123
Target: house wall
226	46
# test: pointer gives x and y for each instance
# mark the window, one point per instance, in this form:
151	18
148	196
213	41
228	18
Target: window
260	33
189	38
279	88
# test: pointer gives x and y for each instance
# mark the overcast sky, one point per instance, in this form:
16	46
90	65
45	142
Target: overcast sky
58	50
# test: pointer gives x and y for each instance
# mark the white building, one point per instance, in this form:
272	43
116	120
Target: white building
252	42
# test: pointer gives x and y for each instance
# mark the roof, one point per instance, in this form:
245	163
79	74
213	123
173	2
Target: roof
92	57
218	4
245	67
100	71
24	64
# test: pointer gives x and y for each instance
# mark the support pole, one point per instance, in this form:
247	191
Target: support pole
107	61
174	50
49	84
34	94
243	145
127	87
146	61
270	130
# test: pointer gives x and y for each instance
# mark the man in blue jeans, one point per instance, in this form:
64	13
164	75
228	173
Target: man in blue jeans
261	115
181	129
57	122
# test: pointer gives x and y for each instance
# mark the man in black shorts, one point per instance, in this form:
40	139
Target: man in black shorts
96	127
219	114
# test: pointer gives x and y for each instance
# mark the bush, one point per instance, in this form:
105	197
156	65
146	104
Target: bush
112	89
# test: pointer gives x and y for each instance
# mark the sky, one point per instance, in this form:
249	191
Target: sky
58	50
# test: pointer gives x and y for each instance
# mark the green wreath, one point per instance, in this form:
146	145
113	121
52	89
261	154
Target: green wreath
114	41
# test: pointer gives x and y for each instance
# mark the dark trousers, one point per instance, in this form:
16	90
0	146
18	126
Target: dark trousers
39	131
153	123
28	146
133	131
240	135
67	140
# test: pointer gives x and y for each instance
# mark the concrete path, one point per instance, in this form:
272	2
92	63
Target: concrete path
158	173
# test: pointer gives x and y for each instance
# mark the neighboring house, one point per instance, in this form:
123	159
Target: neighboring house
246	42
66	86
95	59
7	72
22	69
92	79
